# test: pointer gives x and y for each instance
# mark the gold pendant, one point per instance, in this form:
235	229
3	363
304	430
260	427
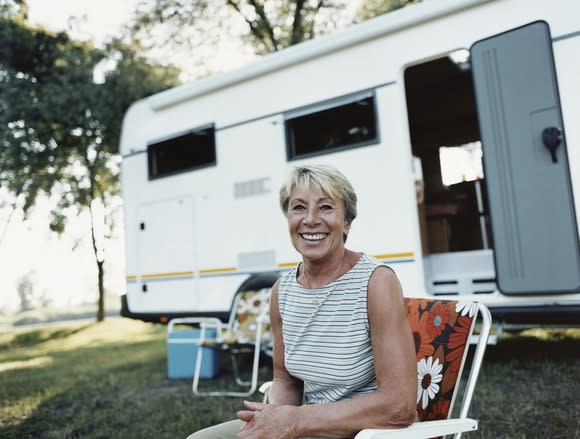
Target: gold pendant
315	301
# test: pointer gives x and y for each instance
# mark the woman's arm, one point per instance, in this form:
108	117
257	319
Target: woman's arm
391	405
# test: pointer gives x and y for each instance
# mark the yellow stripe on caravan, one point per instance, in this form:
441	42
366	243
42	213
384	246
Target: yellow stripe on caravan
287	264
283	265
395	255
381	256
164	275
218	270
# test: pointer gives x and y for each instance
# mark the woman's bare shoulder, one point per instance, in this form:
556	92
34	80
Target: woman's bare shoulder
384	288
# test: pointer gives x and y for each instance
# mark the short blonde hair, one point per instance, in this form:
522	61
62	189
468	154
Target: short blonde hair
328	179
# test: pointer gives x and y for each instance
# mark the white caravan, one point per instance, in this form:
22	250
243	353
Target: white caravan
457	122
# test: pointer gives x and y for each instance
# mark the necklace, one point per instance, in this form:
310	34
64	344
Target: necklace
315	300
335	275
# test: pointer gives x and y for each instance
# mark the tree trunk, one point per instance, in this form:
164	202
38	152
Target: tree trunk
7	223
100	269
101	308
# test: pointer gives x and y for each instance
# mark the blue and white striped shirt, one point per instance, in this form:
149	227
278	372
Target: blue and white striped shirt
326	334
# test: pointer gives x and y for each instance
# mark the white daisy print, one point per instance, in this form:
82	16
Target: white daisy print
466	308
428	377
243	305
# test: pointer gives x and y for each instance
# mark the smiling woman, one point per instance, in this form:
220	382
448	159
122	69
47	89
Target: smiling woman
338	320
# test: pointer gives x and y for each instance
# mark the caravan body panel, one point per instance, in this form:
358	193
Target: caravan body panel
234	228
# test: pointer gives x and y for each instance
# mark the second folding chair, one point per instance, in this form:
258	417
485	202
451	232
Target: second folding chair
246	332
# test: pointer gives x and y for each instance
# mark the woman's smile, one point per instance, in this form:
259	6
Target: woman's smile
313	237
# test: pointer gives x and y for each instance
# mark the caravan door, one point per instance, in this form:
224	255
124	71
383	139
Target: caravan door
165	249
526	164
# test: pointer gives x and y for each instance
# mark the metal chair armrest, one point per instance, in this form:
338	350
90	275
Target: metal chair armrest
265	390
418	430
203	322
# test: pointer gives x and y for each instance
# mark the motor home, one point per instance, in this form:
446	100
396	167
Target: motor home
455	120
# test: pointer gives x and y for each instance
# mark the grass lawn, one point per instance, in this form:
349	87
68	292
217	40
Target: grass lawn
108	380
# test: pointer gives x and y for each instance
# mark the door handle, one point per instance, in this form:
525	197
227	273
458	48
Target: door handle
552	138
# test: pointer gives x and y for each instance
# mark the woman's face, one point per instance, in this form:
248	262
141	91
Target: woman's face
316	223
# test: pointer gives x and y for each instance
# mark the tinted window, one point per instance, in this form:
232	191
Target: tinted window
338	127
192	150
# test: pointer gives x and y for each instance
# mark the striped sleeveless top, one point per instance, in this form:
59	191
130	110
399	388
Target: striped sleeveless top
326	334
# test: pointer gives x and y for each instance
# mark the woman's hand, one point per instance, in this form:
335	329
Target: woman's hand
268	421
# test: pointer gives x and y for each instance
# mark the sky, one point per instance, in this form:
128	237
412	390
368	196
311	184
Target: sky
96	19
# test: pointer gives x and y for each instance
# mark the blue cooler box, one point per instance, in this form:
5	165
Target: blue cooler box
182	355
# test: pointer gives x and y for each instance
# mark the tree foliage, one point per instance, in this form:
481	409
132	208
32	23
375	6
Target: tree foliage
266	26
13	8
27	152
193	26
372	8
59	128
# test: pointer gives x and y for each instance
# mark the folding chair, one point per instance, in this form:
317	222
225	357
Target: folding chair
246	331
441	331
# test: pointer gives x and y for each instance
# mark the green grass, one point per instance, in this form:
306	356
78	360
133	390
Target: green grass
108	380
529	386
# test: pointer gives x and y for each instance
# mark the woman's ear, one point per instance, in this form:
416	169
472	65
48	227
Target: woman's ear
347	224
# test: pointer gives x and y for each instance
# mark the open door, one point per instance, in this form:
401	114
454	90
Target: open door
526	164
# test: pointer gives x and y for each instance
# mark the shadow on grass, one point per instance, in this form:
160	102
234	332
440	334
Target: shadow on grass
31	338
117	390
537	345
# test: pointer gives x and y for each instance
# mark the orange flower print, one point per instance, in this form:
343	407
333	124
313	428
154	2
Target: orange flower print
423	340
457	341
437	319
440	410
414	306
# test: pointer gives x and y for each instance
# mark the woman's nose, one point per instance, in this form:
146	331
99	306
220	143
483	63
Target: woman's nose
311	217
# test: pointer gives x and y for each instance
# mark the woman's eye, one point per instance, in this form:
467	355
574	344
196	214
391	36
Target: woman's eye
298	207
326	207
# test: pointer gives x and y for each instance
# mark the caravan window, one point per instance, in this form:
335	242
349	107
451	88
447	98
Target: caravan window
192	150
332	126
461	163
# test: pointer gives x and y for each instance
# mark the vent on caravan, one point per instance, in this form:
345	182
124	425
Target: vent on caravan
250	188
259	259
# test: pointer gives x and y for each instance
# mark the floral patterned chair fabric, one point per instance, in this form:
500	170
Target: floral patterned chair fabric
252	306
441	331
248	307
